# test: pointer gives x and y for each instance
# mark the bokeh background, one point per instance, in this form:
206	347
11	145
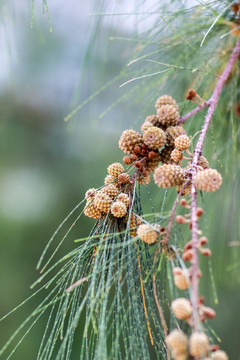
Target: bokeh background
47	164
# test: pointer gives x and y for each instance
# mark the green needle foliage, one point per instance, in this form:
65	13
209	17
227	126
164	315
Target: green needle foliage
99	299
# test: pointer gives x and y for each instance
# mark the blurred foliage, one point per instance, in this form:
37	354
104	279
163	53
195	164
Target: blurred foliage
47	164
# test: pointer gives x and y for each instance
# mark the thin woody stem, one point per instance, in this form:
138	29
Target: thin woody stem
198	150
194	112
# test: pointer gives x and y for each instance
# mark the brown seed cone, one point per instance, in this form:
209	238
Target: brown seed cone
102	202
182	142
168	175
219	355
108	179
118	209
165	100
124	198
208	180
165	155
177	341
202	161
143	179
173	132
123	178
115	169
181	308
154	138
152	164
91	210
111	190
130	139
90	193
186	191
168	115
145	126
148	234
198	344
176	155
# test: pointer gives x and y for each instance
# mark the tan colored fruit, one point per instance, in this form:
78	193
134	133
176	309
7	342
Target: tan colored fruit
143	179
90	193
115	169
152	164
118	209
182	142
168	115
145	126
165	100
102	202
152	119
129	139
91	210
186	191
168	175
219	355
181	280
123	178
198	344
148	234
165	155
208	180
124	198
111	190
182	308
177	341
154	138
173	132
108	179
176	155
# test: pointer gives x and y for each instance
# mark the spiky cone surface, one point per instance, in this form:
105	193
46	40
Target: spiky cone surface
111	190
90	193
148	234
182	308
186	191
108	179
165	155
165	100
115	169
103	202
91	210
177	341
208	180
146	125
118	209
182	142
143	179
168	175
198	344
129	139
124	198
219	355
202	161
173	132
154	138
168	115
176	155
152	164
123	178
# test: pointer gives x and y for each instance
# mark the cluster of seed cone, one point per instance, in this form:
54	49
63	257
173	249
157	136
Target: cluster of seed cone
197	345
113	198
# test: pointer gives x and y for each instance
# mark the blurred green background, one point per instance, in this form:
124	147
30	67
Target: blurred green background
47	164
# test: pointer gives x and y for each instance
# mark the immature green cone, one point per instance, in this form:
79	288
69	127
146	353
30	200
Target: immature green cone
208	180
173	132
129	139
198	344
148	234
168	175
168	115
165	100
102	202
115	169
154	138
91	210
118	209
